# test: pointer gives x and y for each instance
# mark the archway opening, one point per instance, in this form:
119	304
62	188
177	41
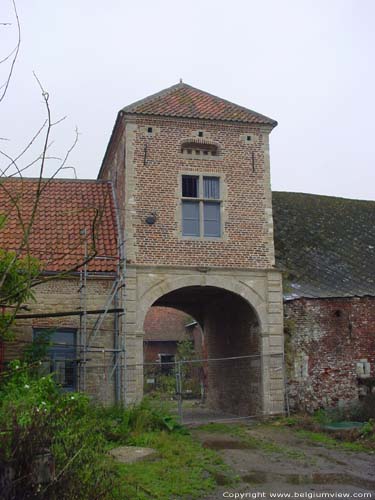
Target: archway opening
172	336
231	347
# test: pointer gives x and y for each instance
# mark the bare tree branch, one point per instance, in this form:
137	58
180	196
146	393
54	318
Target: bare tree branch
15	167
8	57
15	53
62	166
28	146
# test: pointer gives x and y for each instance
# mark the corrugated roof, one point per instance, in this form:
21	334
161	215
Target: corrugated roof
66	207
325	245
185	101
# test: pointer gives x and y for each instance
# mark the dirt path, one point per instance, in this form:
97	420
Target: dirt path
271	459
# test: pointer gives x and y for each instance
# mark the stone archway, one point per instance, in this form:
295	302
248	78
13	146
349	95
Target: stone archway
242	317
165	286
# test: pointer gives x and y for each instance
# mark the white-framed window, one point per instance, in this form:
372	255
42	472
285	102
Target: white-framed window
201	206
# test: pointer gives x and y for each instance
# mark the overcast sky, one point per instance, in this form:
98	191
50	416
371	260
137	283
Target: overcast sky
307	64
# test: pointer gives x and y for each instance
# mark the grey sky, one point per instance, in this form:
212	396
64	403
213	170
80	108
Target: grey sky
307	64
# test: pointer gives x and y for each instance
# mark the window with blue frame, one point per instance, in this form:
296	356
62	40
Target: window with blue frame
201	206
62	354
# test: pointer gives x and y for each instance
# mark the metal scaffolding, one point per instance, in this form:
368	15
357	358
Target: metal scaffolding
88	336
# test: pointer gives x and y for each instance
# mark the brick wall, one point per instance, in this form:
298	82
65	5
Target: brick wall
153	166
232	331
325	339
152	350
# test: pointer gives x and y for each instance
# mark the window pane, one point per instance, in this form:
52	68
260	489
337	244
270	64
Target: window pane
59	370
190	218
211	212
211	187
190	186
62	352
166	363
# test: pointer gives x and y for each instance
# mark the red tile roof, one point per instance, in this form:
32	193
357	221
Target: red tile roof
66	207
184	101
166	324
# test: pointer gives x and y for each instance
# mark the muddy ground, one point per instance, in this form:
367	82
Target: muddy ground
269	459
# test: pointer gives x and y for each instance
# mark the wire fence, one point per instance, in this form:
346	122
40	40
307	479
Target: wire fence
214	389
195	390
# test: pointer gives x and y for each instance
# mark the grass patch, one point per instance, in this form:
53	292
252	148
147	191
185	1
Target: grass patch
184	469
311	428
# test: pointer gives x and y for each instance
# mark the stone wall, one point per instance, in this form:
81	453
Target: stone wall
330	350
60	295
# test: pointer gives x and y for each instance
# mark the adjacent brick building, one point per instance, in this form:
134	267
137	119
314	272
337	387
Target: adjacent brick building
326	248
74	222
165	328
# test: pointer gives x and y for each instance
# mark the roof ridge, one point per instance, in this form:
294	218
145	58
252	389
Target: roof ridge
156	95
232	103
317	195
169	90
49	179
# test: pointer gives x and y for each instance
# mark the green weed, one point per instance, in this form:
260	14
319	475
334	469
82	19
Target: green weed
330	442
38	417
183	469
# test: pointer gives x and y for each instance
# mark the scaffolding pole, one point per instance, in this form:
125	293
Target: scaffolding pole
83	317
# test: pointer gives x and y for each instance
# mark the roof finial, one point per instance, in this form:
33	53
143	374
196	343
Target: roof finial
181	80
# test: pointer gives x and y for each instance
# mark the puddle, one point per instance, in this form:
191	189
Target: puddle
260	477
226	444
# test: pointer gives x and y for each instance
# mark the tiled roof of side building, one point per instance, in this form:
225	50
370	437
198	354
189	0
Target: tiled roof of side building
66	209
166	324
185	101
324	245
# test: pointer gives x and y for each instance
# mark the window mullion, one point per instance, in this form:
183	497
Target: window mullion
201	218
